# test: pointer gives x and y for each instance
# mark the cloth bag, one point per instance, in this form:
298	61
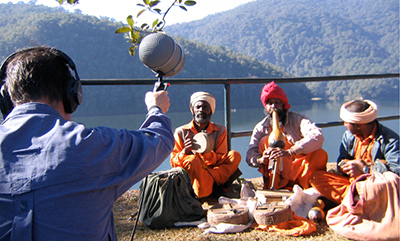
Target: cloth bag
169	198
375	216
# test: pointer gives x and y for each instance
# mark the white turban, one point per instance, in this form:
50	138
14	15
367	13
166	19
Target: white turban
204	96
364	117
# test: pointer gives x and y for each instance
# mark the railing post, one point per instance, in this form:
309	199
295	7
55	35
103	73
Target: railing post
227	112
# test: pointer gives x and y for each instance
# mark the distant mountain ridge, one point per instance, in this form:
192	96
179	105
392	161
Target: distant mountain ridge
99	53
322	43
312	38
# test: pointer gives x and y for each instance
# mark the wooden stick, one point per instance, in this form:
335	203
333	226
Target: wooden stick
274	173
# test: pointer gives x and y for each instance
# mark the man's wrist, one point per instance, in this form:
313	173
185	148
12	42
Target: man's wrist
255	162
291	152
259	161
153	106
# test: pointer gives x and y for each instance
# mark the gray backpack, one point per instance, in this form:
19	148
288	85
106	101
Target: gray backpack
169	198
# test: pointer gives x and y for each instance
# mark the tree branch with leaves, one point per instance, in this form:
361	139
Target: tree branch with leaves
135	33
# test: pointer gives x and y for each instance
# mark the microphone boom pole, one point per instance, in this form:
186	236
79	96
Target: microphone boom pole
159	84
163	56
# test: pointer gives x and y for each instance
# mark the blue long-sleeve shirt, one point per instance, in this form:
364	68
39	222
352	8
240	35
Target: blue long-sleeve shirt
59	179
385	147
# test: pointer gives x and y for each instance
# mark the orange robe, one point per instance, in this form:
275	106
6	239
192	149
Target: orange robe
219	164
331	185
334	186
296	170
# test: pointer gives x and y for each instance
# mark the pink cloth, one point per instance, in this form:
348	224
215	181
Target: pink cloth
375	216
272	90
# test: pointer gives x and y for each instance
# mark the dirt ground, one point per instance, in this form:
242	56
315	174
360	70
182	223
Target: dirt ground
126	207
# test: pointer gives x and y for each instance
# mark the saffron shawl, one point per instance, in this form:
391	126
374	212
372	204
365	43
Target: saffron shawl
375	216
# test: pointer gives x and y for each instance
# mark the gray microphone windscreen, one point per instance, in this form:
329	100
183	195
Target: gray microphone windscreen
160	53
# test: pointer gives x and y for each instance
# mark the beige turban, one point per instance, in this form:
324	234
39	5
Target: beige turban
364	117
204	96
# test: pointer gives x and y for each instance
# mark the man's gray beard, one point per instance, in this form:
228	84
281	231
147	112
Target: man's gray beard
281	116
201	119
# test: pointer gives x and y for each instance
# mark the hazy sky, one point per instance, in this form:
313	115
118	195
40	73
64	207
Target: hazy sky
120	9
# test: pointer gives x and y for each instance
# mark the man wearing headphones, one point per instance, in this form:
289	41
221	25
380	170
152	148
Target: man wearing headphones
59	179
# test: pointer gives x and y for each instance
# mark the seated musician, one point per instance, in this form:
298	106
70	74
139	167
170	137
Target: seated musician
302	153
367	146
211	172
367	186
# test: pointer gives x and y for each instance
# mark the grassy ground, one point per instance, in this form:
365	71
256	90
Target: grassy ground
126	205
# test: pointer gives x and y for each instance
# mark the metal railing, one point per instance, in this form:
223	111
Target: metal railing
227	91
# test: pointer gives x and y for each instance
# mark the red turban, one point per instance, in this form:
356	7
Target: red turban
271	90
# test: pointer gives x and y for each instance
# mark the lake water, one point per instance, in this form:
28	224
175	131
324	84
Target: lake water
246	119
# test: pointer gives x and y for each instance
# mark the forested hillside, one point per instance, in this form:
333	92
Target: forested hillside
302	37
99	53
312	38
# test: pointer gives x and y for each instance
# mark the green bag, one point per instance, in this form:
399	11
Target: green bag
169	198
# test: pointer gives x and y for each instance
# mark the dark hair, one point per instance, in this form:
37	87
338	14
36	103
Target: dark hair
357	106
37	73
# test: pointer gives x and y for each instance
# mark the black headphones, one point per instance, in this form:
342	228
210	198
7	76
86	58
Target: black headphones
72	98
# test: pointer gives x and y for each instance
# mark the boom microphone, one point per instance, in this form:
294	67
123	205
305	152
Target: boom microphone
161	54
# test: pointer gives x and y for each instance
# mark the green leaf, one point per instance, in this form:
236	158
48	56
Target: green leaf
157	27
183	7
134	35
70	2
144	26
130	21
240	180
140	5
146	2
157	10
190	3
154	3
140	13
132	50
123	30
155	23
